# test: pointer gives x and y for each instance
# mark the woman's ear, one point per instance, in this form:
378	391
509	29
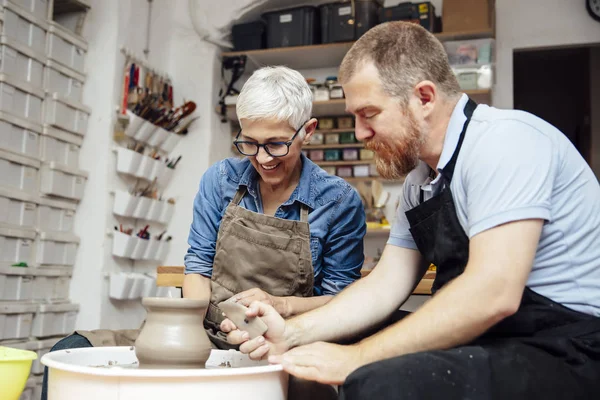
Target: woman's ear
310	128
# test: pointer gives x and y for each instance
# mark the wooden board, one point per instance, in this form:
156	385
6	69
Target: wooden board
172	276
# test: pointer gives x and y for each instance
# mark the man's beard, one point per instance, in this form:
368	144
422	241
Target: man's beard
395	158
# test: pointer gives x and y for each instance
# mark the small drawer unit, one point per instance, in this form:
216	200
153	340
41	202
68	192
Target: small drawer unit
60	146
61	181
55	215
56	248
54	319
66	114
24	27
16	284
19	172
51	284
38	8
64	81
21	62
18	209
16	246
19	136
21	99
66	48
16	320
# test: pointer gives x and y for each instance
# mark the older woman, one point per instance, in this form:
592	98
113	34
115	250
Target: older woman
273	226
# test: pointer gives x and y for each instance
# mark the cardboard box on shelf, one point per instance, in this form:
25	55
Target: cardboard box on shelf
468	15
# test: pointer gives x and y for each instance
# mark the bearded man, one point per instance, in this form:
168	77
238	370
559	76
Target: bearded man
505	207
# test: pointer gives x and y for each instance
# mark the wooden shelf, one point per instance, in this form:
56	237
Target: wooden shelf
337	107
333	146
326	55
342	163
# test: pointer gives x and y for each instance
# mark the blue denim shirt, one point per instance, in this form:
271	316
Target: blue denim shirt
336	218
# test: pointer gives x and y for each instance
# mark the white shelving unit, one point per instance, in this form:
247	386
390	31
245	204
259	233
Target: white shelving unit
42	127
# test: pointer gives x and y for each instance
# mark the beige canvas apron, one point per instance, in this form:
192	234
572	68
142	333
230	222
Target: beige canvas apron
258	251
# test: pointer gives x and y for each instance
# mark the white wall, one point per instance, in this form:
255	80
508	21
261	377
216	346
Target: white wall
536	24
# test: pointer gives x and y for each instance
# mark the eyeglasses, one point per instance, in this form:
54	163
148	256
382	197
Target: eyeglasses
274	149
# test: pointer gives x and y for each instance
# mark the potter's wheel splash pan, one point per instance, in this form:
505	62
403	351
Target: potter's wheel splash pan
110	373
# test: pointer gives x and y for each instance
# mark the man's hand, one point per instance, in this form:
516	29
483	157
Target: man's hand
255	294
322	362
272	343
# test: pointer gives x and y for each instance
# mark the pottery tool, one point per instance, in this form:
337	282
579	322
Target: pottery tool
237	313
376	190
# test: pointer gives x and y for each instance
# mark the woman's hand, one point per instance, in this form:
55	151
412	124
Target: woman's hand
255	294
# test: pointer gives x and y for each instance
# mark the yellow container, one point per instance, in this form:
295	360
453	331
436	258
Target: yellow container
15	366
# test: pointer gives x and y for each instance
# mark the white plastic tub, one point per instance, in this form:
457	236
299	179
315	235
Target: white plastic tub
155	210
55	215
64	81
38	8
73	375
17	209
167	213
120	285
143	205
18	172
60	146
21	99
19	136
123	244
125	203
16	246
170	142
24	27
51	284
62	181
54	319
66	48
128	161
21	62
16	284
66	114
139	249
54	248
16	320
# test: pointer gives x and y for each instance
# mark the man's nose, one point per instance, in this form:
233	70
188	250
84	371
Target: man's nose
362	131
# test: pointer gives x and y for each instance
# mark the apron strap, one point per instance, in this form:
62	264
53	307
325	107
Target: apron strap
448	170
303	213
239	195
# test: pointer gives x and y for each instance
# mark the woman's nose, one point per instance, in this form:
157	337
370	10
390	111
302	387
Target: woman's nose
262	156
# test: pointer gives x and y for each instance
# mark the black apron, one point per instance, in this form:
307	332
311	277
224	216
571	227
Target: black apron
544	350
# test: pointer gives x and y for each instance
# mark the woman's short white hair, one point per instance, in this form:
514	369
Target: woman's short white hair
278	93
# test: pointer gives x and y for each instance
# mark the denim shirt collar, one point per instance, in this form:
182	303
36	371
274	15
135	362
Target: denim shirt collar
303	192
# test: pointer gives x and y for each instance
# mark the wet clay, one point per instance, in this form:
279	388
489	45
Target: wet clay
237	314
173	335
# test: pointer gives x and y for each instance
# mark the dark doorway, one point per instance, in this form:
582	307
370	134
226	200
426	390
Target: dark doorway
555	85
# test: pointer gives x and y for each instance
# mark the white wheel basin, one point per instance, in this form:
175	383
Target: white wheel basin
111	373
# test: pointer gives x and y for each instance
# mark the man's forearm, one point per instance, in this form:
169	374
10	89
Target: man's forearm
196	286
369	301
459	313
292	305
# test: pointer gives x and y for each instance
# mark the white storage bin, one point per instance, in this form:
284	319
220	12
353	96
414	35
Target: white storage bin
64	81
51	284
123	244
59	180
170	142
134	124
16	246
146	167
125	203
66	114
140	248
18	172
54	319
143	205
158	169
56	248
137	289
128	161
149	287
21	99
17	209
145	131
165	176
155	210
24	28
55	215
21	62
16	284
60	146
163	250
66	48
120	285
39	8
167	213
158	137
16	320
19	136
152	250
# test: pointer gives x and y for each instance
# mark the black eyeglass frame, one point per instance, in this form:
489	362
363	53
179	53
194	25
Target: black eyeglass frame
288	143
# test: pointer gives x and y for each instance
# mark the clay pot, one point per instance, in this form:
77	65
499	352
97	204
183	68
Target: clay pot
173	335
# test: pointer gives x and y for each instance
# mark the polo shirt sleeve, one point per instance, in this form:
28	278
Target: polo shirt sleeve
508	175
400	233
